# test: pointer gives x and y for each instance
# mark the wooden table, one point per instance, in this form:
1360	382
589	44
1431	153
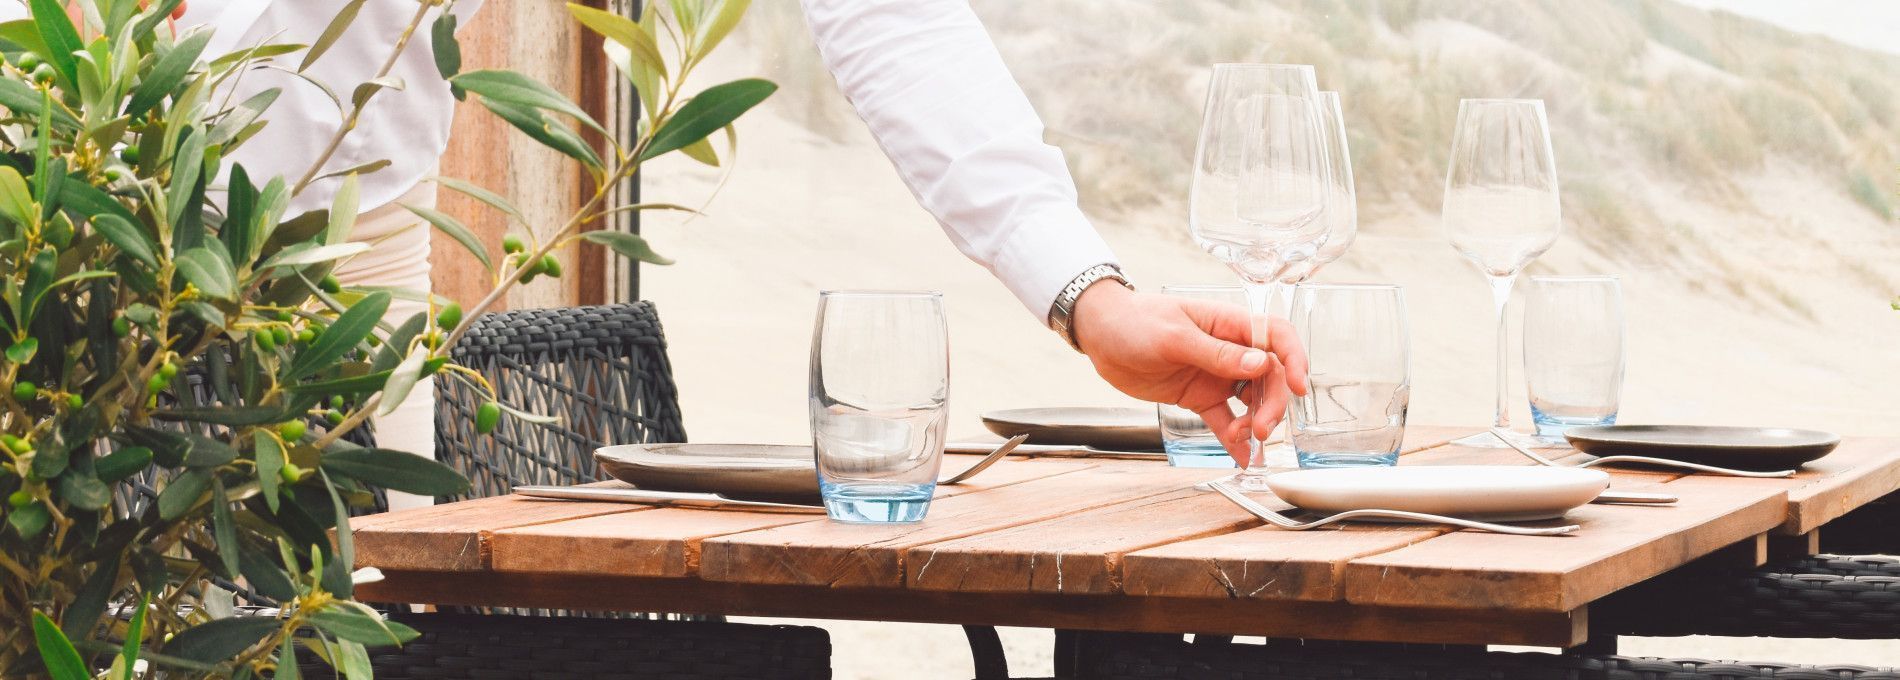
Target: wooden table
1111	544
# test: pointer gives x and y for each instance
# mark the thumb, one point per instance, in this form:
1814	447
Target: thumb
1222	358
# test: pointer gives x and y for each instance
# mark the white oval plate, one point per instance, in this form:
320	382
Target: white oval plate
1492	493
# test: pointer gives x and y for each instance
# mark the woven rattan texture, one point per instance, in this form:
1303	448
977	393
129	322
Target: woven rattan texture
602	372
477	647
1124	657
1820	596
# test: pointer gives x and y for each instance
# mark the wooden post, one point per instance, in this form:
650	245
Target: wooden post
542	41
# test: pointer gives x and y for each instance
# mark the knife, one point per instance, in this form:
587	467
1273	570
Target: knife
1633	497
986	447
577	493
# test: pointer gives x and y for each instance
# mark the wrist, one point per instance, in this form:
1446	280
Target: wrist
1095	307
1062	311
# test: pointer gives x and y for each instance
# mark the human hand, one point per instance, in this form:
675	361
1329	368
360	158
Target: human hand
1190	353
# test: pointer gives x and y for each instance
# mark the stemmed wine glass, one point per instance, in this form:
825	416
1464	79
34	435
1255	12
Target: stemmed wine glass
1501	208
1259	189
1342	225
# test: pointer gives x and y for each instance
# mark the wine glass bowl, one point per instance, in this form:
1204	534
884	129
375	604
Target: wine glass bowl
1501	206
1260	188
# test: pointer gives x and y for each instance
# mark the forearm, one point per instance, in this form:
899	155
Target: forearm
936	95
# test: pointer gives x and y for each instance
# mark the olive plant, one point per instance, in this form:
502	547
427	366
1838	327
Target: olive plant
180	374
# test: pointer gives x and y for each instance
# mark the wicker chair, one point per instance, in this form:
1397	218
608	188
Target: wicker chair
603	372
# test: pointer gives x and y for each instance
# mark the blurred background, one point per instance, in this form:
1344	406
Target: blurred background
1733	161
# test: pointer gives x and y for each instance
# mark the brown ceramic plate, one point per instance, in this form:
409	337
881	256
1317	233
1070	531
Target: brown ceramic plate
1120	429
1747	448
767	472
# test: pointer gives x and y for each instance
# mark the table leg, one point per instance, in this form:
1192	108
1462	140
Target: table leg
986	650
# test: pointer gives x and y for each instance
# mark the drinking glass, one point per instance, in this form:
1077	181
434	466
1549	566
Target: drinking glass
1357	339
1573	352
1184	435
1501	207
1258	190
880	381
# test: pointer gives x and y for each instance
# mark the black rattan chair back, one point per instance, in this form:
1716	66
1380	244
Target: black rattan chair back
601	371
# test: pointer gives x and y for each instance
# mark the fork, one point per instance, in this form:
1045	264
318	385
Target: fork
1284	522
987	461
1644	460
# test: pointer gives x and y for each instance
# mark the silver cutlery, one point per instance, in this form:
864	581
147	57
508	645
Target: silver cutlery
1644	460
1612	496
981	447
1284	522
645	496
987	461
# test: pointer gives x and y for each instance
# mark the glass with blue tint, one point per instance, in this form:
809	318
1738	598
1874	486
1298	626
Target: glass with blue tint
880	385
1573	352
1358	345
1184	436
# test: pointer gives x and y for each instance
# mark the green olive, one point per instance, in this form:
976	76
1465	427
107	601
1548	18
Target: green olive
20	499
551	266
121	326
330	284
307	335
281	335
43	74
157	383
292	430
290	473
487	417
168	369
334	416
24	391
266	340
512	244
75	402
449	317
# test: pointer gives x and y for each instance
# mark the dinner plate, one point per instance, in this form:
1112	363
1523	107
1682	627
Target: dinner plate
1492	493
1122	429
1747	448
766	472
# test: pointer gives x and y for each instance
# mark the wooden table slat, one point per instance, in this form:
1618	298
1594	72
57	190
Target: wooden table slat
1618	546
838	554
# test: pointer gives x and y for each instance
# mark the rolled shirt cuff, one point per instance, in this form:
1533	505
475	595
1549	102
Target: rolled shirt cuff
1044	253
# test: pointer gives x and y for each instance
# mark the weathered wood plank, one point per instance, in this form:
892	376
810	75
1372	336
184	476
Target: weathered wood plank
452	537
1858	472
842	555
1325	620
1618	546
1079	553
666	541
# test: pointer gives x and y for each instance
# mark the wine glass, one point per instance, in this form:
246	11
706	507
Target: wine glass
1342	225
1259	188
1501	208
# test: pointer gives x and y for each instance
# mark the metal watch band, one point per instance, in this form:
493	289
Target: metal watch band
1062	312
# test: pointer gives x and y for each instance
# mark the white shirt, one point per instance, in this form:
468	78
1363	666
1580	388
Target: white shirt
409	127
927	80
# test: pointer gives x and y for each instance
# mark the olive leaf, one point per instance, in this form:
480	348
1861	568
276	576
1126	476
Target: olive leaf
707	113
350	328
331	33
456	230
399	470
627	245
168	73
519	90
621	31
209	268
56	651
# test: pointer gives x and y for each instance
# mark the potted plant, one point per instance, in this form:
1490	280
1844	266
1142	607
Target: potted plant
200	353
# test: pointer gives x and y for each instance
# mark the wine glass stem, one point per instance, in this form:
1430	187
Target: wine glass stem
1260	299
1500	297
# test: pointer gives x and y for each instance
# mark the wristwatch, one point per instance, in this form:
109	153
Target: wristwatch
1062	313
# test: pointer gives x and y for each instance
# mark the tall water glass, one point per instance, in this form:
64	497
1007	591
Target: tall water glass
880	382
1258	190
1573	352
1501	207
1358	341
1184	435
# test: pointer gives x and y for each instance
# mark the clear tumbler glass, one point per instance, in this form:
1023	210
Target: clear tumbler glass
880	384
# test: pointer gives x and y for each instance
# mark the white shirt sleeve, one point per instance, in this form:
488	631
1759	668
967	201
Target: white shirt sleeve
927	80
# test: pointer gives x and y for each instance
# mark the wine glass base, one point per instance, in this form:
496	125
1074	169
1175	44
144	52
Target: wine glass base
1486	440
1254	482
